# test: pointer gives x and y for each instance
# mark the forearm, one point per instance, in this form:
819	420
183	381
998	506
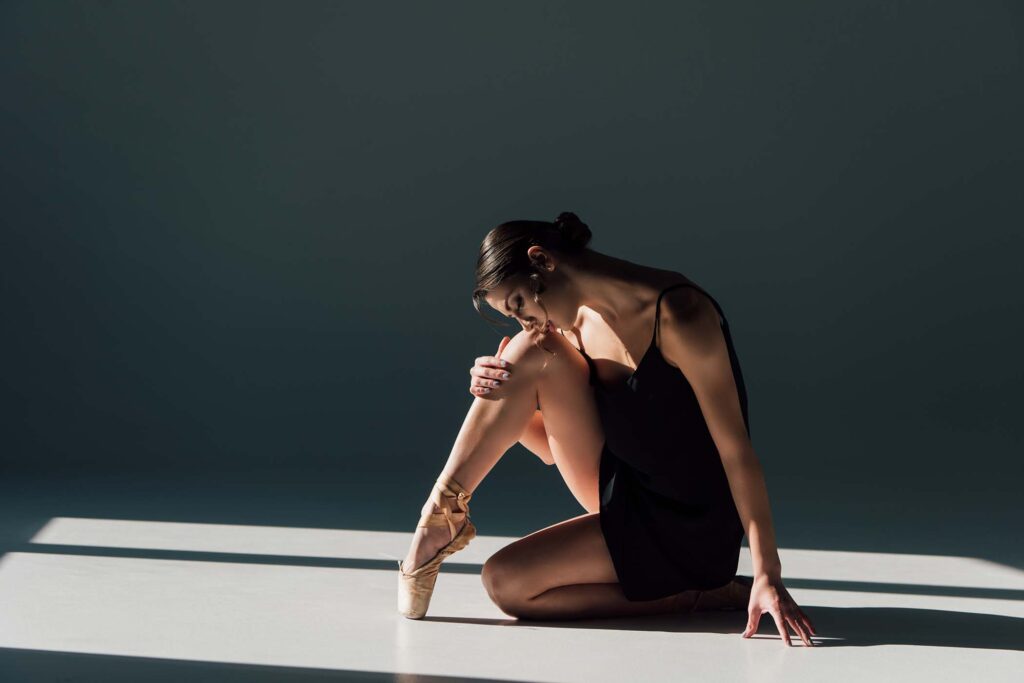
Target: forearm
750	493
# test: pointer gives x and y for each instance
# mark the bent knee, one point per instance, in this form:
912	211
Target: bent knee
547	352
526	345
544	364
504	586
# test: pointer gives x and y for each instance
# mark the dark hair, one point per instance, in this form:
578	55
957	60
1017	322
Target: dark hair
503	253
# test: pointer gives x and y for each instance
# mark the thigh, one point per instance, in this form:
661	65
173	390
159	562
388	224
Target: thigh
571	421
569	552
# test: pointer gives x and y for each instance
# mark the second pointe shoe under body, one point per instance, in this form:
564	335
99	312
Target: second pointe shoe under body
732	596
416	587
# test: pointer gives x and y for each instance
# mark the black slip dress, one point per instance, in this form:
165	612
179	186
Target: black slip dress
667	513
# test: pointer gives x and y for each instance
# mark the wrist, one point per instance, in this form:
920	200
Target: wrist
772	572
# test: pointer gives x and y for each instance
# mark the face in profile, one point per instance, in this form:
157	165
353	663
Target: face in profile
515	300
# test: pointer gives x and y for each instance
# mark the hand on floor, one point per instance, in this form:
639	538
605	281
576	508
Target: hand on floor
771	596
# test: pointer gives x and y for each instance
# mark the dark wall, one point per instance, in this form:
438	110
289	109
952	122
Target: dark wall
241	233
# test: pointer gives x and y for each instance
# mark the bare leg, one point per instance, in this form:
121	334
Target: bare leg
492	426
584	600
564	571
588	600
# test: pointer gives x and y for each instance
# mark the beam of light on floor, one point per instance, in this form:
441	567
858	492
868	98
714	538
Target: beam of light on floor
345	619
248	540
798	563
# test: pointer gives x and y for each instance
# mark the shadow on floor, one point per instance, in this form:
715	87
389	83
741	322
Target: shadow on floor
337	499
837	626
17	666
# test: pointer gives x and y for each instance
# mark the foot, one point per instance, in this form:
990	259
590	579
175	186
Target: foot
426	543
682	603
735	595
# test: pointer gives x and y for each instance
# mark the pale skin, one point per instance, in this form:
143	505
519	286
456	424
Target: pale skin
606	304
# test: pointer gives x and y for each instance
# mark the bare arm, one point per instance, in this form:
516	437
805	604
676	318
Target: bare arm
746	481
692	340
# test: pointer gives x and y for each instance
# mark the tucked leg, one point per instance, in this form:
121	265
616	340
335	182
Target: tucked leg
564	571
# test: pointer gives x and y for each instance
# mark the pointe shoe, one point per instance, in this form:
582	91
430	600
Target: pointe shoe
416	587
733	596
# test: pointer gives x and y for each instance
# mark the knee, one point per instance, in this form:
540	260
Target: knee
531	346
533	353
504	586
544	363
529	354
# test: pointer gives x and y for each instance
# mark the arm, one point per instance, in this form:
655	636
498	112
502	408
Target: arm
692	340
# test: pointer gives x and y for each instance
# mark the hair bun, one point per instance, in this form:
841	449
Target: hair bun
575	233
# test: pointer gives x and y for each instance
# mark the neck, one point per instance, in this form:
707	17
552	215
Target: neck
608	286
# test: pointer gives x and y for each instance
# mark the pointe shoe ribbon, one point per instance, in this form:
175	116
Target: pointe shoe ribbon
416	587
438	496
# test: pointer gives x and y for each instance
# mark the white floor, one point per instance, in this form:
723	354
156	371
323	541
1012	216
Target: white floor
881	617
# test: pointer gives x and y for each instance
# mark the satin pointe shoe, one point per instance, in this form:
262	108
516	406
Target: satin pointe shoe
734	595
416	587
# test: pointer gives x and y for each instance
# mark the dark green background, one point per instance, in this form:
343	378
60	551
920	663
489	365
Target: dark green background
238	246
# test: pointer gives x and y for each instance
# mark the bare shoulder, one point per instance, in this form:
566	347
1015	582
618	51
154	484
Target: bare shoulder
688	320
682	304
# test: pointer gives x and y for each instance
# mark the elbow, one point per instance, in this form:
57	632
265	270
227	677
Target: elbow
741	456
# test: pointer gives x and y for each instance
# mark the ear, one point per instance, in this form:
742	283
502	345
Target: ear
541	257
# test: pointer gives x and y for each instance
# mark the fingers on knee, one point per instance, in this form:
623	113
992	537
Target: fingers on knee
527	358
